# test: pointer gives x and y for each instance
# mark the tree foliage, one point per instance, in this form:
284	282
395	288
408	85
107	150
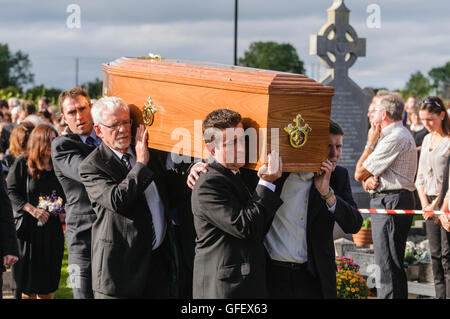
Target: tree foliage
417	85
272	56
14	68
440	76
94	88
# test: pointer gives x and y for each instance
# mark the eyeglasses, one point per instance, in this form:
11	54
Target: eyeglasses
116	126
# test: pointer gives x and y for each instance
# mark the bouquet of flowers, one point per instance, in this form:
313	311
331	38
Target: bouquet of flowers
349	283
415	255
52	204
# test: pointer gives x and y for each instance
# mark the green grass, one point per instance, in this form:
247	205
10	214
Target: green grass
64	292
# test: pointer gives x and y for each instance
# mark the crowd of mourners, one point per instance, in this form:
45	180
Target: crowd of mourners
139	224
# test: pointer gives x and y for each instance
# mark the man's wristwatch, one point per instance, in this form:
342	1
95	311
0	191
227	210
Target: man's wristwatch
369	146
328	195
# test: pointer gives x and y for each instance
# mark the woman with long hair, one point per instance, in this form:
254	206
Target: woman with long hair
41	246
17	142
429	182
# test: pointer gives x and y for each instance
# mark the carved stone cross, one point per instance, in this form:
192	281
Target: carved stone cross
337	43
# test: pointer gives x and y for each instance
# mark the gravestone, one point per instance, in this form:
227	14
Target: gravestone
338	46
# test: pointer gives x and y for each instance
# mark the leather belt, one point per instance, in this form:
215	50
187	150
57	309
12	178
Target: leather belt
387	192
290	265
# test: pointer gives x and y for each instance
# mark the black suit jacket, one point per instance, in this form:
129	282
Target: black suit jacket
8	238
320	224
230	224
68	151
121	234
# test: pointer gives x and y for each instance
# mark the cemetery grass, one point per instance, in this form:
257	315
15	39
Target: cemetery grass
64	292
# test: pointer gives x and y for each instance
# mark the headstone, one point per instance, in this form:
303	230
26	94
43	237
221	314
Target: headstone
342	246
338	46
365	258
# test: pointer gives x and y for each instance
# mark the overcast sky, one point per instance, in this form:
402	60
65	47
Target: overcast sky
414	34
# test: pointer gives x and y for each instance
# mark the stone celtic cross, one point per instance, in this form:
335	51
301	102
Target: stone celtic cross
337	43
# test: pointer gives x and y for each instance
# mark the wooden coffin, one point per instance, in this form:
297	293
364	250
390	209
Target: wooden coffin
184	92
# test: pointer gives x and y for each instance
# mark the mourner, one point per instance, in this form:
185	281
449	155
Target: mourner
299	243
387	168
230	221
133	247
68	151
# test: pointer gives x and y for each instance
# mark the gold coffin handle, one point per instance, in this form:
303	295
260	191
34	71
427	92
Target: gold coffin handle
148	113
298	133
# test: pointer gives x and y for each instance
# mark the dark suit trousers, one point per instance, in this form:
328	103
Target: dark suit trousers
80	273
439	241
287	282
389	233
79	250
158	284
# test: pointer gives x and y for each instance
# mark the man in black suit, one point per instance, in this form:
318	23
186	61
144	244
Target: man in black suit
134	253
230	222
9	250
68	151
299	244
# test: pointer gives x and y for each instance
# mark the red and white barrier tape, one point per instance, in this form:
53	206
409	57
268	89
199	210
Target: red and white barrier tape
399	211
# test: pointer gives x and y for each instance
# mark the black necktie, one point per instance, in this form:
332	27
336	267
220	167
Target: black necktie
90	141
126	160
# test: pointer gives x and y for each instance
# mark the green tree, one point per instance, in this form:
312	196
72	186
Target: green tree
440	76
34	93
94	88
272	56
14	68
417	85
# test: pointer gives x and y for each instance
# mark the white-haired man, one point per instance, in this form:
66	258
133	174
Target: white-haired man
133	248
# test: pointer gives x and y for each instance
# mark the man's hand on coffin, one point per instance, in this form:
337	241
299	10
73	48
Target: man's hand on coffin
142	154
322	179
271	171
194	173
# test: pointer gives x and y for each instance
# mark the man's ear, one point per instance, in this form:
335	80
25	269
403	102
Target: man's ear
98	131
210	147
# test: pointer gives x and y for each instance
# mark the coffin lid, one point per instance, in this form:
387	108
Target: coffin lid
216	75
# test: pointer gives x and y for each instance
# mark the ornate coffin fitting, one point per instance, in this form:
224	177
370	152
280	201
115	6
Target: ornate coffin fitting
173	97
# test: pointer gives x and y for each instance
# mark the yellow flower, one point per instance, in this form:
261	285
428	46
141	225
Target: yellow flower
353	289
357	289
339	287
346	288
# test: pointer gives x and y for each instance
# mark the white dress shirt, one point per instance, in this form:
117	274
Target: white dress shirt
286	239
154	203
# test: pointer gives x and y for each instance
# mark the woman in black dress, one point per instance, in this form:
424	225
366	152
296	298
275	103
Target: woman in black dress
37	273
